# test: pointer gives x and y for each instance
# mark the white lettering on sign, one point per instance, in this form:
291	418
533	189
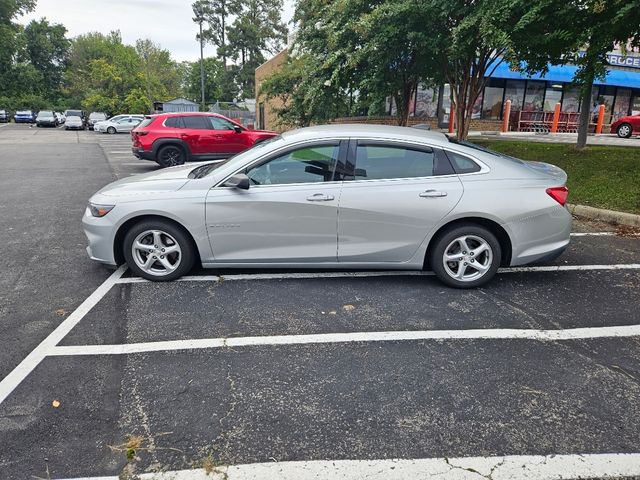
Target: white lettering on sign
622	61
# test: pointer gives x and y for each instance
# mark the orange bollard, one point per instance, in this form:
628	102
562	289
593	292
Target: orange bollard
600	120
506	115
452	117
556	119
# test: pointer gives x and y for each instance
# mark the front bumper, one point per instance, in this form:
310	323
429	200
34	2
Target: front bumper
100	233
142	154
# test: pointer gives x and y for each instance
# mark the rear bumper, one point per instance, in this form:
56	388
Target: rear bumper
541	236
142	154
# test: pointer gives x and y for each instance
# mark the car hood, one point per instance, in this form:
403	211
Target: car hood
163	180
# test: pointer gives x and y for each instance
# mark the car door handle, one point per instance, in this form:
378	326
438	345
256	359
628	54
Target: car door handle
433	194
320	197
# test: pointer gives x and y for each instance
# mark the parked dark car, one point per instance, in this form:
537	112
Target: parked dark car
5	116
174	138
25	116
46	118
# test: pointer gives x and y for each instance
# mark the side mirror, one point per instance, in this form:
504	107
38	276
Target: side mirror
239	180
237	129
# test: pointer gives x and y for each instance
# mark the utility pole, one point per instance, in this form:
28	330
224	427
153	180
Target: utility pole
199	12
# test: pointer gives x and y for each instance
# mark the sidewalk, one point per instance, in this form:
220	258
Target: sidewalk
603	139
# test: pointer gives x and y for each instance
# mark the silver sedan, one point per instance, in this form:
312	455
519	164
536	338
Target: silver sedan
337	197
121	125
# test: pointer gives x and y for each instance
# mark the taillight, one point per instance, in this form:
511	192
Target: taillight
559	194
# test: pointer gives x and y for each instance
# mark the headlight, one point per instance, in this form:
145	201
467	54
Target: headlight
100	210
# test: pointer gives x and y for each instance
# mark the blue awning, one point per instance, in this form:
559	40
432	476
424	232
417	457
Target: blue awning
565	74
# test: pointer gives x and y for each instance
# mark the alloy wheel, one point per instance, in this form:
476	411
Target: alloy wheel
156	252
624	131
467	258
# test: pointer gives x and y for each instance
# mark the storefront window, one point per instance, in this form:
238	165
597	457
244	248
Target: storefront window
635	105
571	100
607	96
492	99
427	103
445	107
621	106
534	96
477	107
552	96
514	91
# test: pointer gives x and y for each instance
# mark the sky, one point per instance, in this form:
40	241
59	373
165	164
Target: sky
167	22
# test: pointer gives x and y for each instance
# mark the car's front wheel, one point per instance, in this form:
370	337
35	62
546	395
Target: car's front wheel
624	130
158	250
111	130
170	156
466	256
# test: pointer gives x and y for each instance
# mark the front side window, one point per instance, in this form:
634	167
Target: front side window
220	124
375	162
305	165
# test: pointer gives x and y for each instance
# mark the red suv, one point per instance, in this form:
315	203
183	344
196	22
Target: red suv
174	138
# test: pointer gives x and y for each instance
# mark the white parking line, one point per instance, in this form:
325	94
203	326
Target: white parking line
512	467
31	361
389	273
592	234
352	337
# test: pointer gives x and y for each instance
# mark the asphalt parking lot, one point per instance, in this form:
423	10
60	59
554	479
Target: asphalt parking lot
299	374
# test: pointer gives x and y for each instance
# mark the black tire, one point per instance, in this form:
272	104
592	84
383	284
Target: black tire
187	249
111	130
446	238
170	156
624	130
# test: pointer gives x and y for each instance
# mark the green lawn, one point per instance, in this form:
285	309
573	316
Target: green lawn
599	176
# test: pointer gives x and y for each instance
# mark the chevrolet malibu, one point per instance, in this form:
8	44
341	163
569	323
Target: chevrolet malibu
337	197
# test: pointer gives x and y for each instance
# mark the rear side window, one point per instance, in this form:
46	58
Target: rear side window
378	162
174	122
462	164
195	122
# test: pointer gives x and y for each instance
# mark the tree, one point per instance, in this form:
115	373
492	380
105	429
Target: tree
601	26
472	38
46	49
302	95
9	36
216	13
257	29
218	85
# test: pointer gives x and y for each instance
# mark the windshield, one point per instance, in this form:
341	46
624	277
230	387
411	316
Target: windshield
45	114
204	170
74	113
97	116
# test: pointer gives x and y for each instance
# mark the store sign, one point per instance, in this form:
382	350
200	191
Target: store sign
623	61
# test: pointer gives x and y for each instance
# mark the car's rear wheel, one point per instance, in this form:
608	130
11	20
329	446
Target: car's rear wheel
170	156
158	251
624	130
111	130
466	256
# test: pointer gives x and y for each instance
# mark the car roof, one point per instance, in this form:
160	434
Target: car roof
175	114
366	131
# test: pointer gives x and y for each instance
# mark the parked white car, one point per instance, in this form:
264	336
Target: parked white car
102	125
61	118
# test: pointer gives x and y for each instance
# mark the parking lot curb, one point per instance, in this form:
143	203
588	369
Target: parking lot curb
603	215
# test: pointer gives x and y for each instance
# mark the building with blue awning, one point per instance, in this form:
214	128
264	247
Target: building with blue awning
619	91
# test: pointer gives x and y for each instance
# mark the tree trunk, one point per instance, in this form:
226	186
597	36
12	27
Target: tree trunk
403	101
585	109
